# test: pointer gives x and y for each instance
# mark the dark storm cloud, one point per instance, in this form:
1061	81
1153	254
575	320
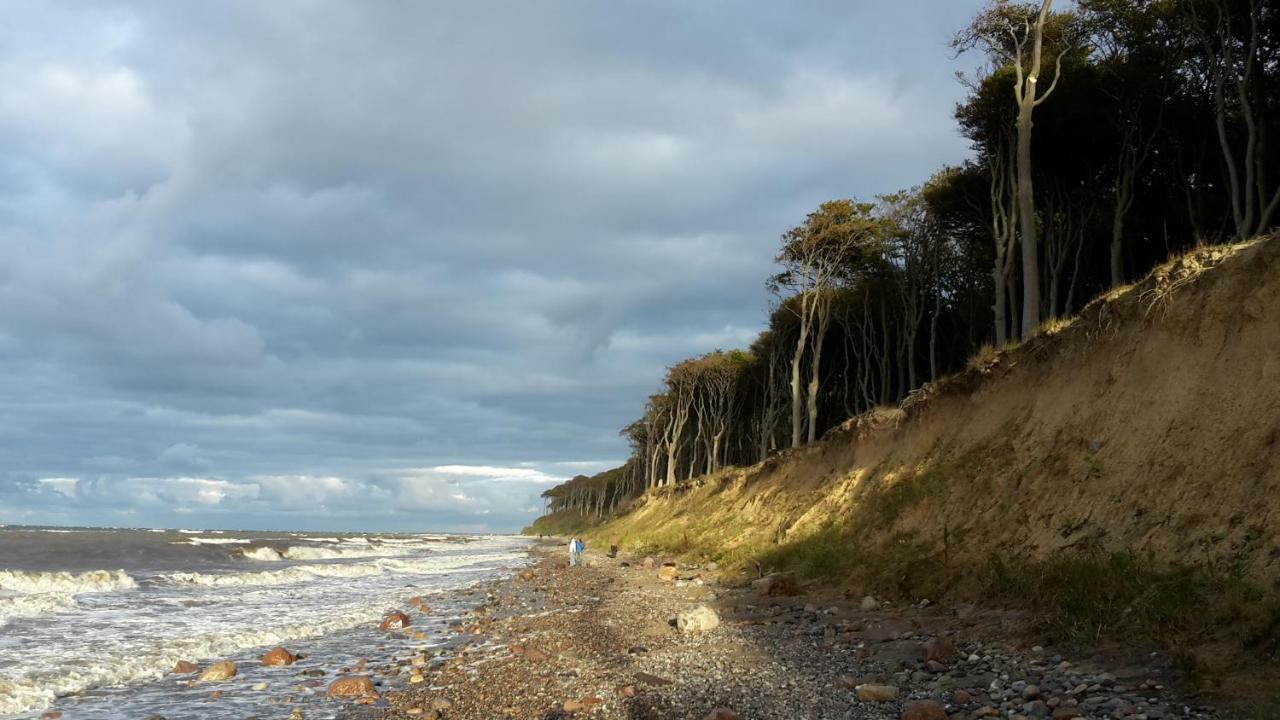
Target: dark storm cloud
323	264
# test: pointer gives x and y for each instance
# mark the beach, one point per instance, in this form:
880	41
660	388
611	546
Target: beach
602	641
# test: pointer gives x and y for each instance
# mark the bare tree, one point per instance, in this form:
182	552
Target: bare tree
1234	62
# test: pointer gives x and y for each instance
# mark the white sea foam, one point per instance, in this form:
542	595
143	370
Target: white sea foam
212	541
36	690
296	574
22	606
30	581
262	554
323	553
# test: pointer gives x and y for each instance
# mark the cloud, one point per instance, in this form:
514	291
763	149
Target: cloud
350	266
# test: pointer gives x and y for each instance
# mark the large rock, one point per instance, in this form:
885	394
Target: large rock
938	649
352	686
698	619
924	710
877	693
395	619
224	670
278	656
184	668
775	584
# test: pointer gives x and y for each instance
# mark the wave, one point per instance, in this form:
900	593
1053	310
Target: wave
31	581
307	573
37	689
262	554
295	574
212	541
22	606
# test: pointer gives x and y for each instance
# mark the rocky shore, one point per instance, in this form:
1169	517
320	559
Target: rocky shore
633	638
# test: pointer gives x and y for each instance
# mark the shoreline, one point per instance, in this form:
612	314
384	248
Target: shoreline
599	641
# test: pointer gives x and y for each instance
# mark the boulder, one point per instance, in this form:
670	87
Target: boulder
938	649
218	671
722	713
698	619
278	656
352	686
877	693
869	603
775	584
184	668
924	710
668	573
395	619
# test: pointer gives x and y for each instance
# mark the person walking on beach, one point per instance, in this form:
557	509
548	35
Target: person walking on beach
573	551
613	545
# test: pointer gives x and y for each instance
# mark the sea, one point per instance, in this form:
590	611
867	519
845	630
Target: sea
92	620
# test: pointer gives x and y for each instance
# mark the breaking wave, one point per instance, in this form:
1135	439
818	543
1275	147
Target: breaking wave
23	606
30	581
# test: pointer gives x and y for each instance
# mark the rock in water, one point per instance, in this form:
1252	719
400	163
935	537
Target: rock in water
352	686
224	670
923	710
775	584
870	603
938	649
395	619
877	693
722	714
184	668
277	657
698	619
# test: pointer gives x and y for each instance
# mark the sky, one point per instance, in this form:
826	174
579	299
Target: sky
317	264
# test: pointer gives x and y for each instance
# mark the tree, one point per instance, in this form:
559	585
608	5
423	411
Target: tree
835	242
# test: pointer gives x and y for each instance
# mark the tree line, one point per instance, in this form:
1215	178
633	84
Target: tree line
1106	136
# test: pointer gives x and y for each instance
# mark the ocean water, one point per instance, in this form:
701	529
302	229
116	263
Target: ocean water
91	621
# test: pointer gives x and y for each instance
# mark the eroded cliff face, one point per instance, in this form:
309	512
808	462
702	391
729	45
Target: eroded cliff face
1150	424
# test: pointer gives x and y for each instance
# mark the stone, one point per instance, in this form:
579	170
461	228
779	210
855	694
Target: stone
442	704
668	573
184	667
923	710
260	686
278	656
649	564
877	693
527	575
722	713
869	603
415	601
627	691
395	619
352	686
776	584
698	619
1066	713
962	697
219	671
572	706
938	649
50	715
